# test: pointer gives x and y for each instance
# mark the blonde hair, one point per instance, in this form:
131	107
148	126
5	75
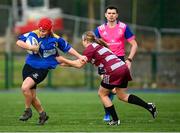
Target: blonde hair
90	37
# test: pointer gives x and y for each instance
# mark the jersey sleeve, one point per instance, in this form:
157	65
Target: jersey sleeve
24	37
128	34
88	52
63	45
96	32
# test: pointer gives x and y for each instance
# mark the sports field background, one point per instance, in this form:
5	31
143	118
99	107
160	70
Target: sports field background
156	65
82	111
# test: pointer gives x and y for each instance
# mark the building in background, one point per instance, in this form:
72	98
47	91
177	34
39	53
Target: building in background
27	13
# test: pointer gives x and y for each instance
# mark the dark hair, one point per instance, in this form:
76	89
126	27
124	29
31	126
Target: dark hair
90	37
112	7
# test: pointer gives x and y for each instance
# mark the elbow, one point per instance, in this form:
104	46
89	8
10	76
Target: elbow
18	42
136	46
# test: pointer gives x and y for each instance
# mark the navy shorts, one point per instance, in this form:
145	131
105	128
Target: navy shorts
38	75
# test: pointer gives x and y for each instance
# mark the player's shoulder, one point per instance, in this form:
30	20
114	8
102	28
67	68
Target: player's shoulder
92	47
101	27
58	39
35	33
122	24
54	35
26	35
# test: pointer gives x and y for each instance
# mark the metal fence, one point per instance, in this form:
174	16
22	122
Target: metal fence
157	69
156	63
149	70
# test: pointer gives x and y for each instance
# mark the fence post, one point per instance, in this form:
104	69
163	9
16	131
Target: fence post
91	77
12	69
49	82
154	66
86	75
6	70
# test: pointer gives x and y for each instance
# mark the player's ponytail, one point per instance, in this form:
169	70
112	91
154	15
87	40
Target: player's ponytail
101	42
90	37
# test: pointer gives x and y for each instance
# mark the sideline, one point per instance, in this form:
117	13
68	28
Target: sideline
83	90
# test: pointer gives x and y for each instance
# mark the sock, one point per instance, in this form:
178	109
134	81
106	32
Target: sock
112	111
106	111
138	101
111	96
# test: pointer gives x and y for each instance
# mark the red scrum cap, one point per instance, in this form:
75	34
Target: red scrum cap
45	24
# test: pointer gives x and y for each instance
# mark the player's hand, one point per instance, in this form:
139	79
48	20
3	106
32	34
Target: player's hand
83	59
128	64
34	48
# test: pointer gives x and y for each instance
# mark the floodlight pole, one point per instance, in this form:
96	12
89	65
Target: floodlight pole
102	10
134	14
134	11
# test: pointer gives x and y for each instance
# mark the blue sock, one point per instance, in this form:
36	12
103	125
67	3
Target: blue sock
111	96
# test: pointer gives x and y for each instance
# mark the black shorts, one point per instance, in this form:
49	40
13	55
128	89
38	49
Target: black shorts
110	87
38	75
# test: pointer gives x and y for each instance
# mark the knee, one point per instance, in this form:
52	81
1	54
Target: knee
25	89
123	97
100	94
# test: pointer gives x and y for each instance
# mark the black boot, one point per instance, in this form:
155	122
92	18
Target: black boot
152	109
27	115
42	118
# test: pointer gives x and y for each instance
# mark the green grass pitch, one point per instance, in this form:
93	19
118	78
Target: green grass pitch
83	112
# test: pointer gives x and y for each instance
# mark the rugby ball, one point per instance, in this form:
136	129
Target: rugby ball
31	41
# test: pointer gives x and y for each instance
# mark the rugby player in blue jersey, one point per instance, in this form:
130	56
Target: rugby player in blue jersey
38	64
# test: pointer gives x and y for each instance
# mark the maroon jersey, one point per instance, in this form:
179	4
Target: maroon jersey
115	69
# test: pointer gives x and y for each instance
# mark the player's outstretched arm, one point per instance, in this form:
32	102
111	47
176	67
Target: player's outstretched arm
72	51
74	63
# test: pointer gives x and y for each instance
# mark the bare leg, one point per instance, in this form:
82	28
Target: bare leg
27	84
37	105
121	94
36	102
133	99
103	94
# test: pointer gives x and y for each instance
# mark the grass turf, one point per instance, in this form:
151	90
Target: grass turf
83	112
